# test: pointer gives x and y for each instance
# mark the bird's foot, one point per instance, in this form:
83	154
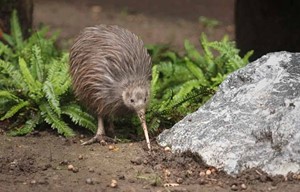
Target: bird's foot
102	139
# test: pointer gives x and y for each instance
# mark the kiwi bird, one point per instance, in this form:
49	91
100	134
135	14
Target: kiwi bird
111	72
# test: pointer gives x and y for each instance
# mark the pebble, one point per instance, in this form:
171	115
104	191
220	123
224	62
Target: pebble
33	181
243	186
64	162
208	172
202	182
167	172
189	172
137	161
202	174
113	183
91	170
234	188
111	147
179	180
70	167
167	149
89	181
80	157
75	170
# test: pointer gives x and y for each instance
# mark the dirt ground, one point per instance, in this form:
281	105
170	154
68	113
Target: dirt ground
44	161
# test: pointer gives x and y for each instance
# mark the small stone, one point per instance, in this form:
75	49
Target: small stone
158	167
179	180
81	136
202	174
145	161
89	181
113	183
167	149
137	161
213	170
91	170
75	170
70	167
243	186
234	188
122	177
167	172
64	162
33	182
189	172
80	157
202	181
208	172
111	147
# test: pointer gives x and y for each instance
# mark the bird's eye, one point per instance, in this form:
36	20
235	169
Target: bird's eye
132	100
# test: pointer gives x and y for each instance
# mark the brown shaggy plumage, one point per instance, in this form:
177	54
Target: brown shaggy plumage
110	70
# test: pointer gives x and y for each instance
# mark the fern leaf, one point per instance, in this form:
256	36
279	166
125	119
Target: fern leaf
185	89
28	127
34	86
53	119
80	117
16	31
192	52
51	97
37	63
155	76
9	95
197	72
14	74
14	109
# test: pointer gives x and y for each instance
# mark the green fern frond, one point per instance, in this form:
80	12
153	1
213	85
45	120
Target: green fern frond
37	63
197	72
28	127
80	117
53	119
14	109
51	97
9	95
14	74
33	85
185	89
16	31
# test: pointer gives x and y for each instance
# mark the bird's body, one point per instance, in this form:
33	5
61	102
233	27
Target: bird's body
111	72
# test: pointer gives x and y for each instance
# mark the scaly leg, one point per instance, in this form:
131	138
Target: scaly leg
100	135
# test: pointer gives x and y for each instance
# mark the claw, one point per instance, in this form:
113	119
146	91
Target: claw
99	139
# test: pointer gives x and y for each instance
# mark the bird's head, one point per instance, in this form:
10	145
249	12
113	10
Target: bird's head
136	98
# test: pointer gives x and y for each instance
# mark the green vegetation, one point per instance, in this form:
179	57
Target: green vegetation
181	84
35	85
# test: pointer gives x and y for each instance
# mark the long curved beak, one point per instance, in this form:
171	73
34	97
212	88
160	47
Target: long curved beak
141	114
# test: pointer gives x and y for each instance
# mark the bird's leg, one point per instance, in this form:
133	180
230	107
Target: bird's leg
111	128
100	135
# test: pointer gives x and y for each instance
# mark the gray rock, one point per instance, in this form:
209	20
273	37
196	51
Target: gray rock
252	121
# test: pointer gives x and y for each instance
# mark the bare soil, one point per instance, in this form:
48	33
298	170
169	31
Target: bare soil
45	161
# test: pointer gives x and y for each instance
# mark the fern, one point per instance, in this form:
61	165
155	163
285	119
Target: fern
52	98
37	63
181	84
34	84
15	77
28	127
14	109
80	117
53	119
